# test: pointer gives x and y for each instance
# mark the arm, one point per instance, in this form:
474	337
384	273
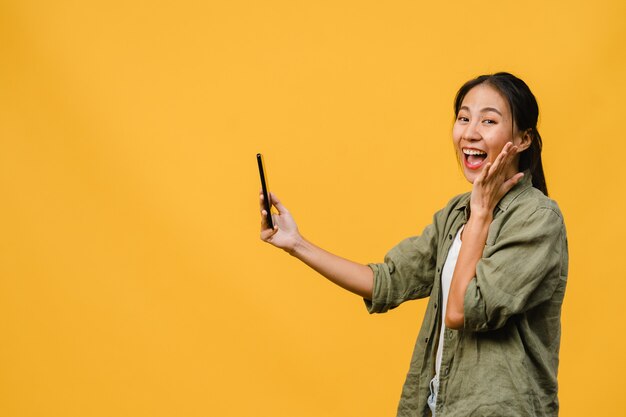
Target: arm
490	186
520	270
474	239
352	276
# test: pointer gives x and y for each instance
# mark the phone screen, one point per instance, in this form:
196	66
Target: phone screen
266	191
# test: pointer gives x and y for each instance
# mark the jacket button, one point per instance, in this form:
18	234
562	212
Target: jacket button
435	306
438	270
450	237
425	340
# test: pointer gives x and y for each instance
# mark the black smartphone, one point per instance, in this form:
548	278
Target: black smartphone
266	191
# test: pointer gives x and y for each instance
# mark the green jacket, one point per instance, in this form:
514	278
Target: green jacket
504	361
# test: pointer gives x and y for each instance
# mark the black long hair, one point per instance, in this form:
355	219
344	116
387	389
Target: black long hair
525	112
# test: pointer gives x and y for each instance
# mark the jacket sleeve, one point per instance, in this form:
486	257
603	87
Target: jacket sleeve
407	273
518	272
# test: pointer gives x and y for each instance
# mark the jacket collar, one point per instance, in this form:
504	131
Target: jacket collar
503	204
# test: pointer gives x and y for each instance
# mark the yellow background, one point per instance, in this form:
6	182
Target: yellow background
132	279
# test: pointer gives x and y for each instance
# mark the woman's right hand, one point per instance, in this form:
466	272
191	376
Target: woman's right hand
285	234
352	276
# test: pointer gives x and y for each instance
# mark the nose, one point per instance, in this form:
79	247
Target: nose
471	132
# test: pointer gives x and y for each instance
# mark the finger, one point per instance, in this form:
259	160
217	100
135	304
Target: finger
508	159
264	223
264	220
483	174
504	159
502	156
511	182
485	171
510	151
267	234
276	203
262	201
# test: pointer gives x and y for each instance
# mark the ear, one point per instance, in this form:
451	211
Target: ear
524	140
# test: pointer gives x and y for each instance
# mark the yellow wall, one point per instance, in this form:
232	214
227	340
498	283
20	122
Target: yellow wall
132	279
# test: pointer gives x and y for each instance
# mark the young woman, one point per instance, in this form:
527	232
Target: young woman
493	262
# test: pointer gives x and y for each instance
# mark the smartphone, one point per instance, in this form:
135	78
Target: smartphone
266	191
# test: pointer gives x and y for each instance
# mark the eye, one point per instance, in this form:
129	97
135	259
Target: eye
462	119
489	121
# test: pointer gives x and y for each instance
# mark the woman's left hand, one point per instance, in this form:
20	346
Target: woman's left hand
494	182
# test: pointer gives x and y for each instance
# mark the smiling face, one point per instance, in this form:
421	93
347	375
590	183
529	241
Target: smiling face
483	126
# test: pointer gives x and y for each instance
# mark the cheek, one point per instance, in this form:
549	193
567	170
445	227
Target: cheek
456	134
498	143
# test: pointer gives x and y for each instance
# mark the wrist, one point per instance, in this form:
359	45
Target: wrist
479	220
297	247
481	216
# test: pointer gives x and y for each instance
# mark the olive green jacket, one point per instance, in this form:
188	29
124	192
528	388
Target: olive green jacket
504	361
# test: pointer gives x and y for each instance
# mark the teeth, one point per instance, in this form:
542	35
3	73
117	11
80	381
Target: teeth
473	152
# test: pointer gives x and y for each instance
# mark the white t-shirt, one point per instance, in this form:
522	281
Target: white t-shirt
446	279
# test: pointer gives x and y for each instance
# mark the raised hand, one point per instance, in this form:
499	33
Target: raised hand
495	180
352	276
285	234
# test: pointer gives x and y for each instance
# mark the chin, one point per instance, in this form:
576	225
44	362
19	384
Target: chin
470	176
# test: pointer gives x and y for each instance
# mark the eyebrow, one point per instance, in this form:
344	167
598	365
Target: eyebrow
483	110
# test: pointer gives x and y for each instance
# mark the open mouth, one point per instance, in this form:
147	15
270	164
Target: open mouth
474	158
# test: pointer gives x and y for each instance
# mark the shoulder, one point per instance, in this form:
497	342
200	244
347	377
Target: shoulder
524	201
529	216
531	202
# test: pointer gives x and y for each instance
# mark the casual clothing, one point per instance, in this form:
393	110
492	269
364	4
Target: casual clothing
446	279
504	360
432	398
